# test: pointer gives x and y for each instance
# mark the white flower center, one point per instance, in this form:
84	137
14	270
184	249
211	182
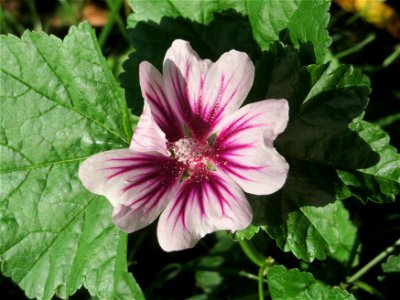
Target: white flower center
187	150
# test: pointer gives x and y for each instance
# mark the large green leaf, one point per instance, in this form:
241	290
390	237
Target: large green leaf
302	20
302	217
297	285
59	105
380	182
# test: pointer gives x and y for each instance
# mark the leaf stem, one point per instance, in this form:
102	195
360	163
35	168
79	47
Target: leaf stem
381	256
261	283
252	253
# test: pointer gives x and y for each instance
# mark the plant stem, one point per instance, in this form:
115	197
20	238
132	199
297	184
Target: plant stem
388	120
357	47
110	23
252	253
392	57
37	23
369	289
381	256
260	283
268	262
240	273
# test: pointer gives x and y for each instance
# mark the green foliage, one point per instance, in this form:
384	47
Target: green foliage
380	182
392	265
60	104
303	216
201	11
247	233
297	285
302	21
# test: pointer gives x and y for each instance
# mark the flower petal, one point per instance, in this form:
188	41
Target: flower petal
184	75
139	185
206	91
227	84
244	147
163	107
148	136
204	203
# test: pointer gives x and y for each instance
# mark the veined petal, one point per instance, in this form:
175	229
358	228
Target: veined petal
206	91
205	202
139	185
163	107
244	147
227	84
184	76
148	136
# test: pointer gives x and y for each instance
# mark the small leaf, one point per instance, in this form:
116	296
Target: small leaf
378	183
60	104
247	233
297	285
392	265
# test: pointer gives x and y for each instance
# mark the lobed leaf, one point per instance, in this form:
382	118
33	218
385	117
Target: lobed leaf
303	217
60	104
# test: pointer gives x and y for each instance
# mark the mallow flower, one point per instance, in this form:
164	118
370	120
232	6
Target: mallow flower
194	151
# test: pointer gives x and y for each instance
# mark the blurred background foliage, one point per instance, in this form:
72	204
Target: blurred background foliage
365	33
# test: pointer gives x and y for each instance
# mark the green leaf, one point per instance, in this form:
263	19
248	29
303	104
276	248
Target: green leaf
128	288
303	217
247	233
346	250
60	104
392	265
294	284
381	182
201	11
209	281
318	128
303	21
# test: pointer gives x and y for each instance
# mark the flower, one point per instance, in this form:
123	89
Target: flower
194	151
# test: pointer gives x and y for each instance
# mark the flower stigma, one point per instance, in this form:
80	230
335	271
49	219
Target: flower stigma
191	153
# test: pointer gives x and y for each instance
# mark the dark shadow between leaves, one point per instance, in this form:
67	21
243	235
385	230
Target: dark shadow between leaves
229	30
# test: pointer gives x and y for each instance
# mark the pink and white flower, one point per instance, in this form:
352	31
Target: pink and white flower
194	151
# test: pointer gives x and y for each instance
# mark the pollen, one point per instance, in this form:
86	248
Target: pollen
187	150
